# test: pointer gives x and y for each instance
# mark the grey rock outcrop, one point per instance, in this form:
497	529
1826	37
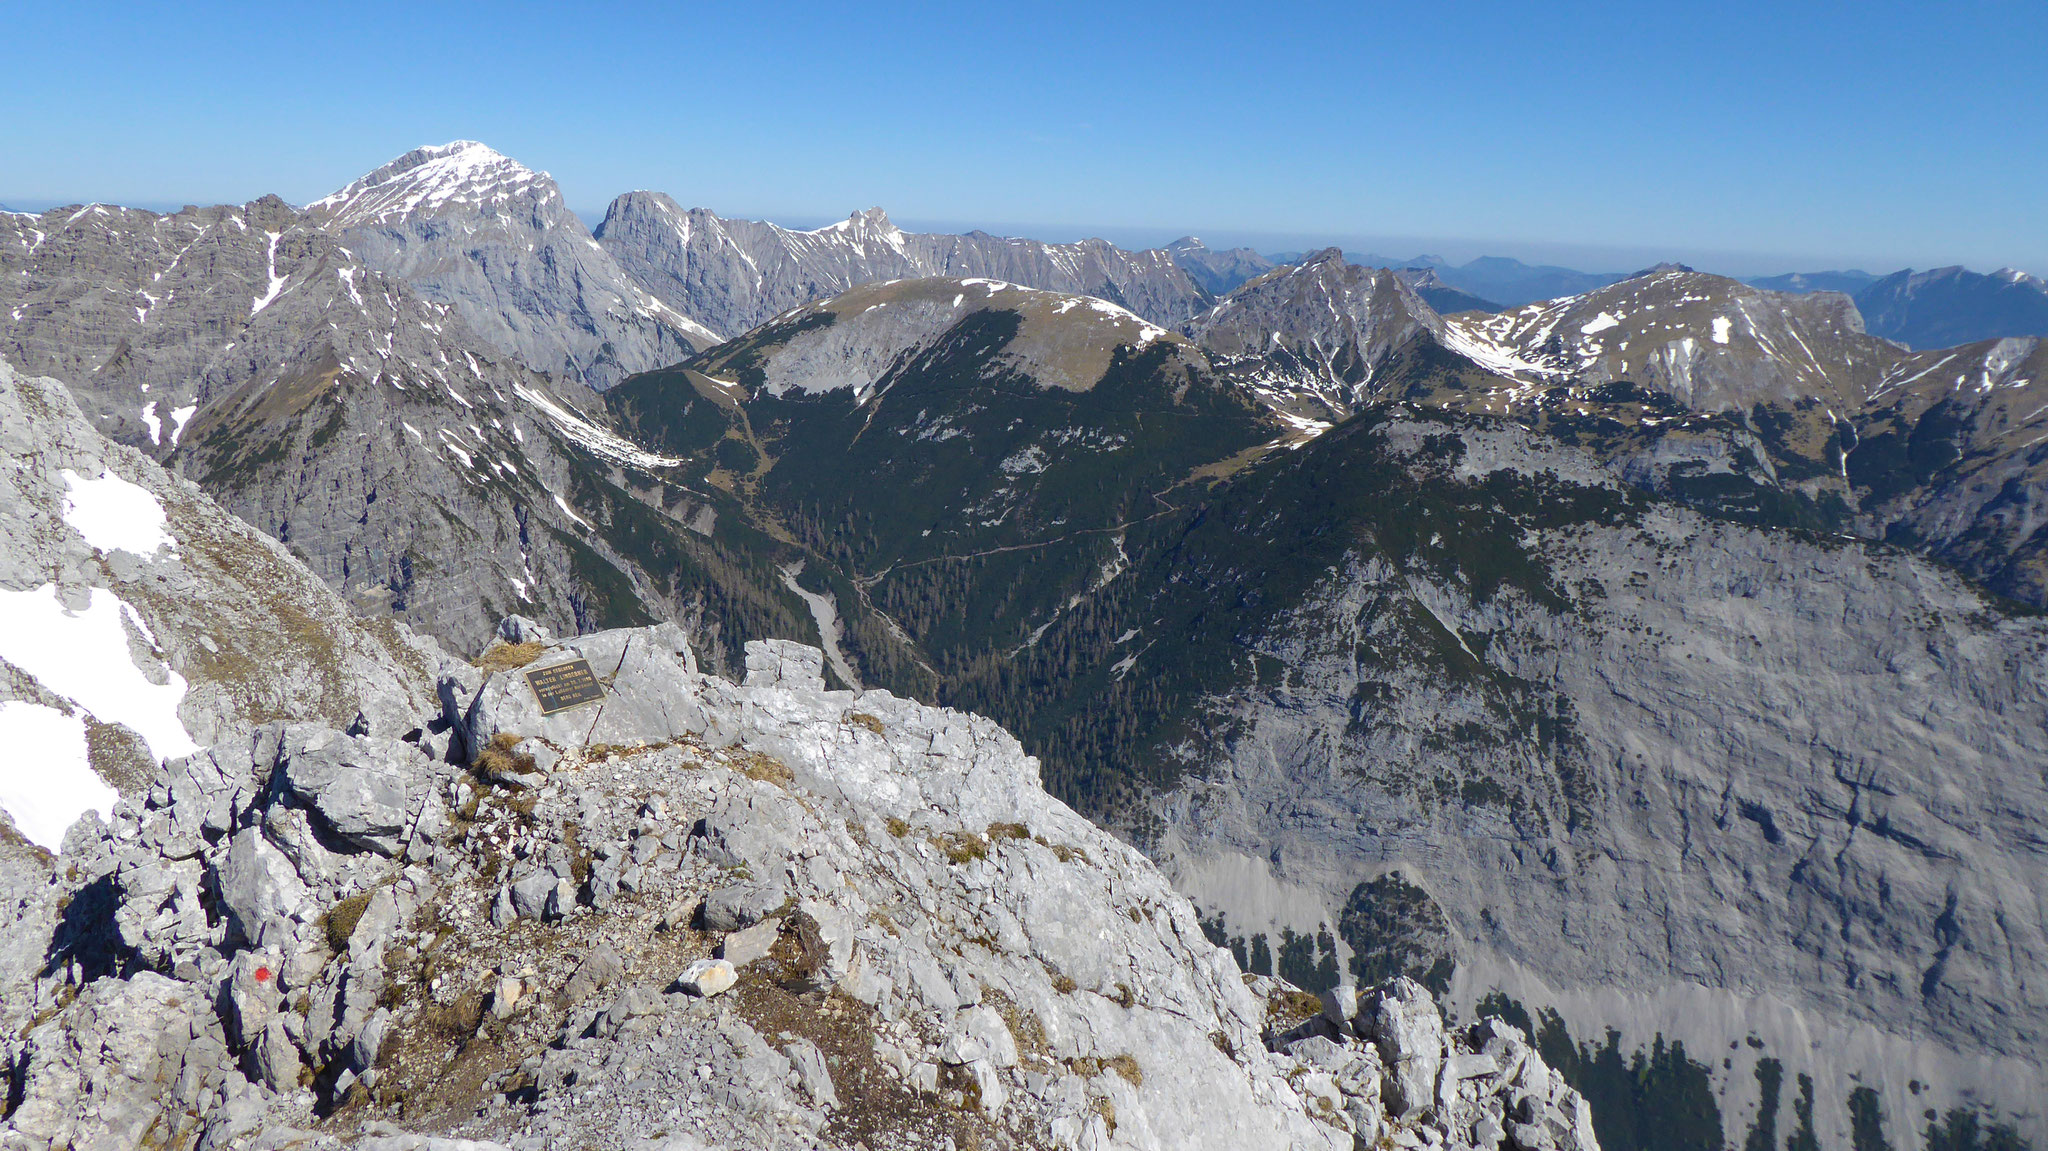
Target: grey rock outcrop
365	790
645	674
1410	1035
129	1060
1397	1076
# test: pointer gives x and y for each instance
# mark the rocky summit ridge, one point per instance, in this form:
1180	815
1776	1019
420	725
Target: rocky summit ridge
696	913
734	275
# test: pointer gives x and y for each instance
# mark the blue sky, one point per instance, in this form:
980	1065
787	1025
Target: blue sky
1747	137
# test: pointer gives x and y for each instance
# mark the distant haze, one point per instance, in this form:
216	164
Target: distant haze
1583	257
1755	138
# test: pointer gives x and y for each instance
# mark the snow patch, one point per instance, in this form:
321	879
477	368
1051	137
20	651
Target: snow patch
1599	323
276	281
115	515
84	657
1722	326
605	443
51	782
569	511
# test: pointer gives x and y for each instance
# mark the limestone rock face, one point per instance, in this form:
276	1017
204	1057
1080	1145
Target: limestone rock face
155	311
129	1059
1733	706
491	238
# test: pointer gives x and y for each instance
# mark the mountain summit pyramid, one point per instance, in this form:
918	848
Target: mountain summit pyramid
482	233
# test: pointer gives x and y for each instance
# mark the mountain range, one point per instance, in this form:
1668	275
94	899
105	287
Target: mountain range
1659	666
353	891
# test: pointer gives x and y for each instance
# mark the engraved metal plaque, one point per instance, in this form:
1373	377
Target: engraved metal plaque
562	686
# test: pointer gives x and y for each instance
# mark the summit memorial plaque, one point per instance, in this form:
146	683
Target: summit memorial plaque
561	686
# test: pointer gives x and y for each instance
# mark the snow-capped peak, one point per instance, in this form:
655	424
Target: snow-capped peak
870	220
427	180
871	224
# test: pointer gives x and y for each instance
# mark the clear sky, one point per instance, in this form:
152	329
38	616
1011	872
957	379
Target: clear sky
1744	136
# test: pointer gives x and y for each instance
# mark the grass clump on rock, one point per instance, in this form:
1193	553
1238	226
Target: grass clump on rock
960	846
497	758
340	920
508	656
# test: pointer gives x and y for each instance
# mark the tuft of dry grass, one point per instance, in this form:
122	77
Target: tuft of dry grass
863	719
960	846
1126	1065
1291	1008
1025	1025
580	858
340	920
504	656
767	769
498	760
876	1109
1103	1106
1064	852
598	751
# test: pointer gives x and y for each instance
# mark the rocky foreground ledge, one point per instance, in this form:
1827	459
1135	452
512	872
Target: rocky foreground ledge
693	914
